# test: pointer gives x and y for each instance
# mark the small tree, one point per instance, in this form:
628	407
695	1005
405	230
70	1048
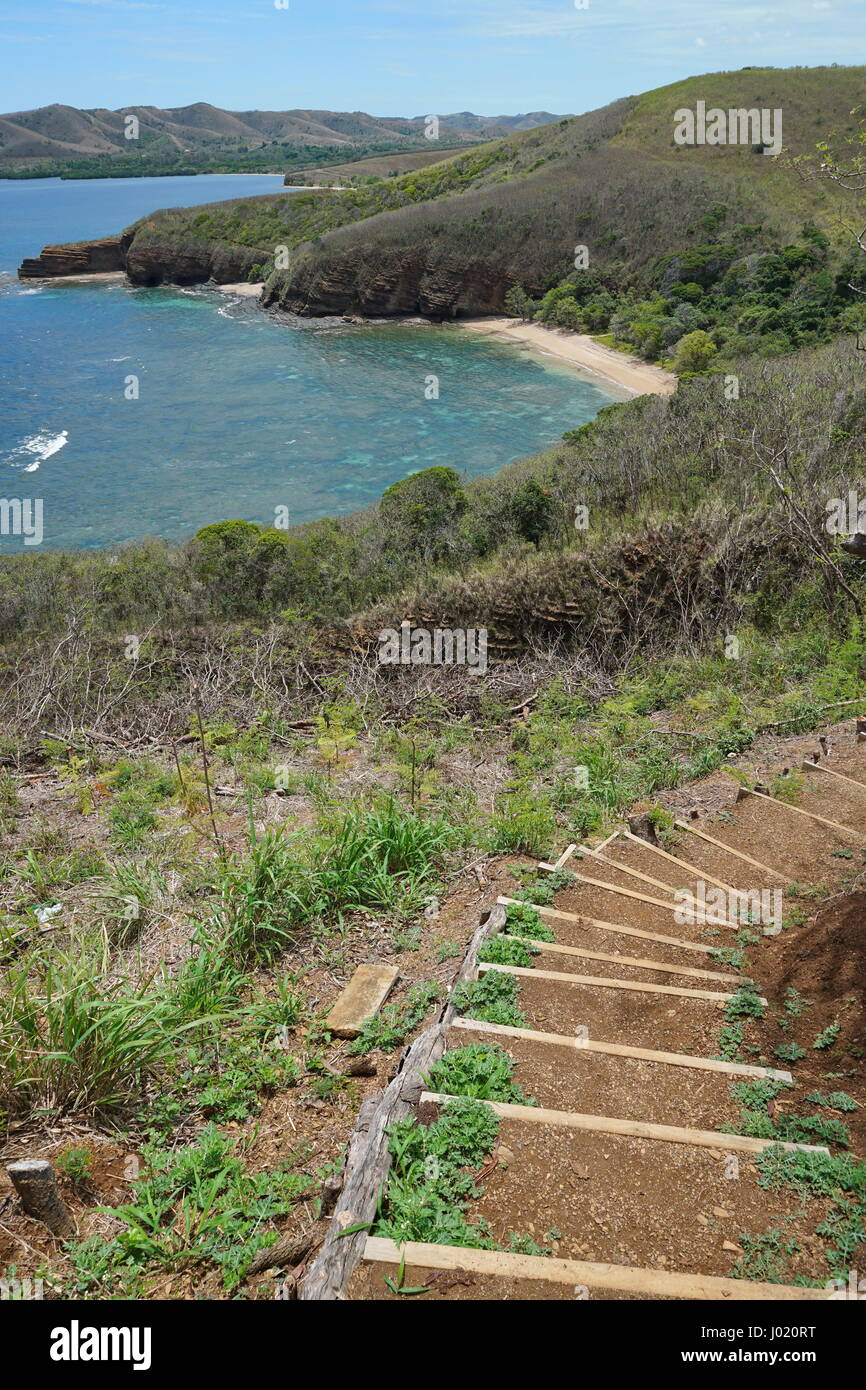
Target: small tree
518	303
421	511
533	511
694	352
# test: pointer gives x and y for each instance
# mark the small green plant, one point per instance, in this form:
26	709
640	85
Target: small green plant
789	1052
746	1003
765	1257
491	999
197	1206
506	950
76	1164
521	920
522	824
795	1004
827	1038
431	1180
788	787
392	1025
836	1100
480	1070
841	1178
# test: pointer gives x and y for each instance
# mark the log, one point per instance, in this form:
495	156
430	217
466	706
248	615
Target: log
368	1160
290	1250
674	1059
608	982
637	961
35	1182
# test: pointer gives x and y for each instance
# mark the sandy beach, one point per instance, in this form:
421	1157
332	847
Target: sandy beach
636	377
244	289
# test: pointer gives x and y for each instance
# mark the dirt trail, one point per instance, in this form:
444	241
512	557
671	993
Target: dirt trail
635	1210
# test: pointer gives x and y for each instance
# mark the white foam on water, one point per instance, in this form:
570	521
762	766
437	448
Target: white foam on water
38	448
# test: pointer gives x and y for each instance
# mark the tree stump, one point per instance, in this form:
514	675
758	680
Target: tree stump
35	1182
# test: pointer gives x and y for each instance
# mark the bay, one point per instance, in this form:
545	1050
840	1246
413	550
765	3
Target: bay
237	414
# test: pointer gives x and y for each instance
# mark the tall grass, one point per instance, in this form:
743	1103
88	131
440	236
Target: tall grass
381	858
72	1038
76	1036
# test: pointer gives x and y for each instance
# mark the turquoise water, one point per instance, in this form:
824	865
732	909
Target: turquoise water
237	414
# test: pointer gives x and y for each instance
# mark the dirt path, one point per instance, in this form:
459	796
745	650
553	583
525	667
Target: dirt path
621	1208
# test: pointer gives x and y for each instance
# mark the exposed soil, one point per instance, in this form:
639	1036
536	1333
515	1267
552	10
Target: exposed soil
657	1204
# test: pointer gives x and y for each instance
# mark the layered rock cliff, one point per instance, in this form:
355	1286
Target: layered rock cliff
409	281
146	259
78	258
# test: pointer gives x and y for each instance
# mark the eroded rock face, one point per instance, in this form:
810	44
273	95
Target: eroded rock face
77	258
156	262
147	261
406	282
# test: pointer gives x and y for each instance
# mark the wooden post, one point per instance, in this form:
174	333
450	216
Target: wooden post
35	1182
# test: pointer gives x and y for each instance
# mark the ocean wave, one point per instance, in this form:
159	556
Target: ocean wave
37	449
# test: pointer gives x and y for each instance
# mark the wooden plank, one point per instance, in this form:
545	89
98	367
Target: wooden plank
656	1283
813	815
643	1054
657	902
852	781
563	858
605	982
363	996
681	863
630	1129
729	849
629	960
588	922
626	869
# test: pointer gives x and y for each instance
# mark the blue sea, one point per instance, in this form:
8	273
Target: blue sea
237	414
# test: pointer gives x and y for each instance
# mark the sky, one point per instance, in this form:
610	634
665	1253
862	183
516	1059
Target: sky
400	57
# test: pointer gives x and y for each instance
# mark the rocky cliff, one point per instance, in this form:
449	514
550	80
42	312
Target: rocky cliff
146	259
78	258
410	281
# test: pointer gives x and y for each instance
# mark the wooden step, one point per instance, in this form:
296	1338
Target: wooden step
798	810
631	1129
587	923
655	1283
636	962
729	849
605	982
643	1054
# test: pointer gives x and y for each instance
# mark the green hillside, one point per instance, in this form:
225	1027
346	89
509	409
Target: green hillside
451	239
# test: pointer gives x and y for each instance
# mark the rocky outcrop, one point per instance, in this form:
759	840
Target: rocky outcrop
146	259
157	261
410	281
78	258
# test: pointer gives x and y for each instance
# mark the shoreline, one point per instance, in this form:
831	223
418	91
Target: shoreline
582	351
244	288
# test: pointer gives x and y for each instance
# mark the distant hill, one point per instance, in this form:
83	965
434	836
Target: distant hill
451	238
64	133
